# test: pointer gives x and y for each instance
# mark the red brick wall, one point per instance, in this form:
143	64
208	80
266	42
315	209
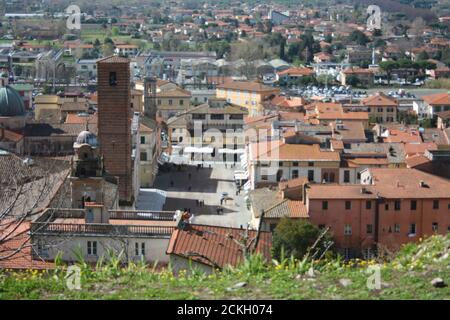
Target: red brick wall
114	123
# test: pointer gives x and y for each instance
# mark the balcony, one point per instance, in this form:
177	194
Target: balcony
69	229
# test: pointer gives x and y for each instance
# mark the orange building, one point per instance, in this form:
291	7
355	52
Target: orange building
391	207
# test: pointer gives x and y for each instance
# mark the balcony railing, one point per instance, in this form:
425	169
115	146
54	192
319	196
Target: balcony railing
52	214
103	229
142	215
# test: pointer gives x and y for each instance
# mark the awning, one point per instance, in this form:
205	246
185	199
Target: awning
198	150
233	151
241	176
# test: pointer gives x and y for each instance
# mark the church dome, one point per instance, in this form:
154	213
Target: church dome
86	137
11	104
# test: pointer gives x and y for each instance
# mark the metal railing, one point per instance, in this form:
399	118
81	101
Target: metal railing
54	213
103	229
142	215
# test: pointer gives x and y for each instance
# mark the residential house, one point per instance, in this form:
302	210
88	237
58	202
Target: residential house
357	76
209	248
269	162
390	208
293	75
382	109
248	94
171	102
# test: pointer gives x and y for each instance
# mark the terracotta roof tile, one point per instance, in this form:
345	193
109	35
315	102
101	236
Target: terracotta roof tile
380	100
17	249
246	86
441	99
215	246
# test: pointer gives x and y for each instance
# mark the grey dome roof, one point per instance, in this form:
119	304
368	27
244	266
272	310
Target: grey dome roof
11	104
86	137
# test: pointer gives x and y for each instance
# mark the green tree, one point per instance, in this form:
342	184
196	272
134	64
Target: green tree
388	67
293	237
359	37
353	81
115	31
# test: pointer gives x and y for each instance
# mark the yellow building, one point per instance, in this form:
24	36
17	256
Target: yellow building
137	100
171	102
248	94
47	108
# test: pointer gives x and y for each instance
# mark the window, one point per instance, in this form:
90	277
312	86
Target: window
159	102
294	174
143	156
295	164
92	248
412	228
217	117
197	116
310	175
346	176
435	204
170	102
236	116
181	102
113	79
42	249
310	164
324	205
140	252
264	177
347	253
413	204
434	226
386	207
348	205
142	140
280	163
368	204
397	205
347	230
397	228
89	215
369	229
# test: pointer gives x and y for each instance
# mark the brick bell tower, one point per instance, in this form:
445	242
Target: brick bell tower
114	121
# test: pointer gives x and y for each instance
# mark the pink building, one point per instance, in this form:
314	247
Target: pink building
391	207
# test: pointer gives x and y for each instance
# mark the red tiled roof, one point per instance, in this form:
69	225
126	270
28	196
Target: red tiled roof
215	246
297	71
246	86
16	251
441	99
419	148
74	118
379	99
10	135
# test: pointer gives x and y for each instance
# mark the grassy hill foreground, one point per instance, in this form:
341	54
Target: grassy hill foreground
408	275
